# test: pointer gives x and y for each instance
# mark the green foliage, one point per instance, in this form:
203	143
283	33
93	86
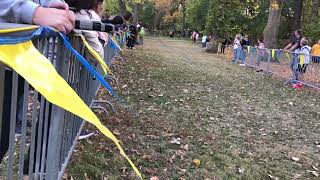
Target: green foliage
225	18
148	14
312	31
196	12
112	7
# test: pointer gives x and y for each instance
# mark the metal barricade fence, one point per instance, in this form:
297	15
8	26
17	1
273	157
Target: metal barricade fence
286	65
37	138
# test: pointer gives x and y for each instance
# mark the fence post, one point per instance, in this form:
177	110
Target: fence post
1	93
55	130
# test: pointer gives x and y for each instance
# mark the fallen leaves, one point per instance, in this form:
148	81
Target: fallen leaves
175	141
315	173
295	159
273	177
146	157
196	162
240	170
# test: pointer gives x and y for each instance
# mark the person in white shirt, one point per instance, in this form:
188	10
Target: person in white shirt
204	41
237	48
304	60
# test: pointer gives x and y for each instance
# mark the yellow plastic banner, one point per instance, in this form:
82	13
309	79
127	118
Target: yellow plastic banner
116	43
96	56
301	60
273	51
288	56
27	28
40	73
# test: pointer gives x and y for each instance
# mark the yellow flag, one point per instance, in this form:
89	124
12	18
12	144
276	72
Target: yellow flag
27	28
273	53
301	62
96	56
288	56
40	73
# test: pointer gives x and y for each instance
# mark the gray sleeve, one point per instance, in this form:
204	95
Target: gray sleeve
17	11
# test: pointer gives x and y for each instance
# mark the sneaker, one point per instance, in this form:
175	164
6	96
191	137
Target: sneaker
296	86
85	135
300	85
242	64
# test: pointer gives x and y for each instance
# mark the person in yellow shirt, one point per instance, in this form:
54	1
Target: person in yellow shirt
316	52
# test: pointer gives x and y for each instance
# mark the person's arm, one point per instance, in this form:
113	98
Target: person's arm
17	11
56	14
288	46
294	47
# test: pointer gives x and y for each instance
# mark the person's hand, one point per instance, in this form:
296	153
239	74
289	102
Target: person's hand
57	15
59	5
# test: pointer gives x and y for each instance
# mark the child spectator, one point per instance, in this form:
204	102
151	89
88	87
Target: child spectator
197	37
316	52
224	44
304	59
141	35
260	53
132	36
236	48
204	41
193	37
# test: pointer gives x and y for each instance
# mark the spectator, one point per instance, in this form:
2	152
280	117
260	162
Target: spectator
141	35
261	52
244	44
132	36
85	10
224	44
316	52
57	15
236	48
293	47
197	37
304	59
193	37
204	41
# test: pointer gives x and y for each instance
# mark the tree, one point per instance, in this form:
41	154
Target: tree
122	6
272	28
297	15
315	11
137	12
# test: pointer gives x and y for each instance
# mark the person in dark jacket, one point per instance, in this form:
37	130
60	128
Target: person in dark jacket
244	43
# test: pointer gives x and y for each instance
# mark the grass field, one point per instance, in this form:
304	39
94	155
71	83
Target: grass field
186	105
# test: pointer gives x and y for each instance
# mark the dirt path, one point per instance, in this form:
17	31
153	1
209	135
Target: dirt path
191	105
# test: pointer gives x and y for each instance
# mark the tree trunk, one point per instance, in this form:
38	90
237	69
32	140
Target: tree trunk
183	17
122	6
272	28
157	19
136	13
296	21
315	11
